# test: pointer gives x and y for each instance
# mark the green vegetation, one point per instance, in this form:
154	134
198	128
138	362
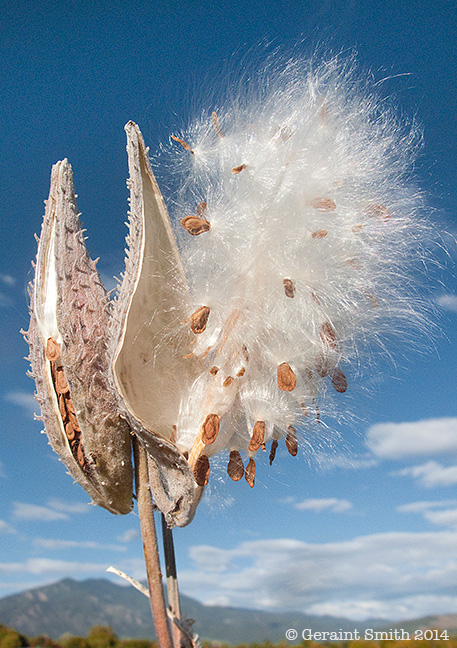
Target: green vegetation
104	637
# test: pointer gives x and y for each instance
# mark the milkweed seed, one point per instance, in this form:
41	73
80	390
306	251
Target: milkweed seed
249	473
62	406
201	209
319	234
173	434
378	211
74	421
213	371
289	288
69	404
195	225
228	381
241	372
210	429
217	128
184	144
323	365
199	319
258	436
238	169
201	470
274	447
291	441
328	335
70	431
286	378
324	204
52	350
235	467
61	382
80	456
245	352
339	381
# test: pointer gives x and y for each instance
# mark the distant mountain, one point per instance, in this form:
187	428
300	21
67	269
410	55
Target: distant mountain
71	606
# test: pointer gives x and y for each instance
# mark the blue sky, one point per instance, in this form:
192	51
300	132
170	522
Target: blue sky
369	529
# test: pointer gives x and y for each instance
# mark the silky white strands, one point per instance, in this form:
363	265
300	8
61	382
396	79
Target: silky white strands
300	230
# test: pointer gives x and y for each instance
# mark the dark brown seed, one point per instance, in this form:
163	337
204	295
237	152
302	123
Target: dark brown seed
287	380
291	441
195	225
235	467
228	381
258	436
69	404
241	372
184	144
216	124
274	447
249	473
201	470
80	456
328	335
74	421
61	382
238	169
201	209
324	204
52	350
319	234
213	371
210	429
378	211
289	288
199	319
339	381
70	431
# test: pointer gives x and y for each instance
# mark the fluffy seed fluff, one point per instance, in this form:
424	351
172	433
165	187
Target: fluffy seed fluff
300	229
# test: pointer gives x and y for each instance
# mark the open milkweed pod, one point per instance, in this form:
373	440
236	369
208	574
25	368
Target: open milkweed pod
150	370
70	313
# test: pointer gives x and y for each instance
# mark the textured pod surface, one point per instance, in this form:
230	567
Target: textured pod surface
70	313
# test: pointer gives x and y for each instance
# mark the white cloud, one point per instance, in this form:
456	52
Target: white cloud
24	400
446	518
400	440
432	474
7	279
449	302
25	511
394	575
69	507
6	528
420	507
129	535
318	505
54	544
50	566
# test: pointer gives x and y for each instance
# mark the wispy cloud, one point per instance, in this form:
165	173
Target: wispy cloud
431	474
373	575
51	566
325	504
128	536
7	279
68	507
24	400
425	505
6	528
34	512
56	545
402	440
446	518
448	302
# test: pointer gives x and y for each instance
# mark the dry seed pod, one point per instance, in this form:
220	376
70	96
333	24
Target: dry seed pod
235	467
286	378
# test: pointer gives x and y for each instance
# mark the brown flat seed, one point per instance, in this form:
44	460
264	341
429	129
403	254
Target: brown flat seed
74	421
61	382
235	467
210	429
62	406
320	234
328	335
258	436
69	403
245	351
213	371
217	128
274	447
184	144
195	225
291	441
378	211
199	319
238	169
324	204
52	350
80	456
289	288
201	209
201	470
339	381
249	473
70	431
287	380
241	372
228	381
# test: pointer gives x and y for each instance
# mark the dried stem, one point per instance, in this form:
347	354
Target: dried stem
150	548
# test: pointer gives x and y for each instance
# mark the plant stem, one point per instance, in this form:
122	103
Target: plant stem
179	639
150	547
